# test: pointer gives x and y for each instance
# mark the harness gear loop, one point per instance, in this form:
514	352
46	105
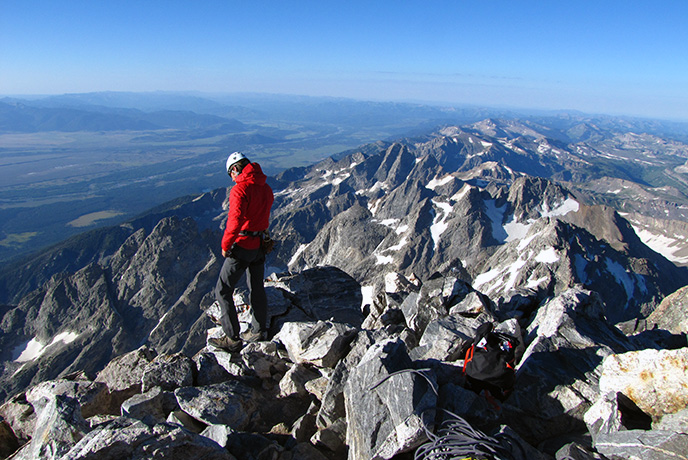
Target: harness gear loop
259	233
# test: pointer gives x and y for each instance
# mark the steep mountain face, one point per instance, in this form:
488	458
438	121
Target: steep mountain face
479	202
147	292
100	303
506	233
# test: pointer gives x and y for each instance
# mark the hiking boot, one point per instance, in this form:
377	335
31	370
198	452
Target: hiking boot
254	336
226	343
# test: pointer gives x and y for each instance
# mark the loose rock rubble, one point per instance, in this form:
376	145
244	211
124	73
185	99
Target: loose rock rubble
369	387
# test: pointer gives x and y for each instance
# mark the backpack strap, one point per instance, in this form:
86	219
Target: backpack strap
468	357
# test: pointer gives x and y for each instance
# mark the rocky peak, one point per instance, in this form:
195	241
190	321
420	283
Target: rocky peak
343	378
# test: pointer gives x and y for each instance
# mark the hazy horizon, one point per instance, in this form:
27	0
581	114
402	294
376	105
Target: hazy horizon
615	58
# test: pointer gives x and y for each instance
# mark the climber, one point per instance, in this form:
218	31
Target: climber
250	201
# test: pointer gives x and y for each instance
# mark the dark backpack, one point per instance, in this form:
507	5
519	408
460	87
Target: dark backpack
490	361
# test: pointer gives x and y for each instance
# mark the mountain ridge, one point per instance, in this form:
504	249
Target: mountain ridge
450	201
388	258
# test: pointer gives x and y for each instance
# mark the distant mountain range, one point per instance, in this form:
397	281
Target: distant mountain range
24	118
347	113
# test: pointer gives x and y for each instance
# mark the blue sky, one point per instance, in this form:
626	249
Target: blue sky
615	57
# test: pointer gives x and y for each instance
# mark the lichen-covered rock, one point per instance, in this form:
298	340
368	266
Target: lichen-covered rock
640	374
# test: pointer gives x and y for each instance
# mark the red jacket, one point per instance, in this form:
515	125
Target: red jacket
250	201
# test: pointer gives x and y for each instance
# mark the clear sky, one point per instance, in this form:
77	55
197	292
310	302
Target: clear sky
603	56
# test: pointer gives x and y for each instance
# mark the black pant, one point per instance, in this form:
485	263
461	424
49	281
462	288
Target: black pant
240	261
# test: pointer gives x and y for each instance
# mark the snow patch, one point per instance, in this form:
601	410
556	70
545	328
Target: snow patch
160	321
524	241
439	223
433	184
496	215
513	273
339	179
517	231
296	255
367	293
567	206
377	187
392	281
383	260
535	283
486	277
666	246
373	206
399	245
28	351
547	256
34	349
388	222
509	276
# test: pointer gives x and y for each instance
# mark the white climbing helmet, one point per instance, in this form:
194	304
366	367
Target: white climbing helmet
233	158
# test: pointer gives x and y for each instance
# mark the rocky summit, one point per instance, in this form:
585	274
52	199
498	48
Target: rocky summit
388	260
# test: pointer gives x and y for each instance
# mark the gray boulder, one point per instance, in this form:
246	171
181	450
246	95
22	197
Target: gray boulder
304	451
123	375
135	440
574	451
8	441
322	294
20	415
230	403
672	314
444	338
181	418
332	401
643	445
387	410
93	397
474	408
436	297
322	343
677	422
218	433
264	360
148	404
59	426
208	370
642	411
169	372
294	381
332	438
